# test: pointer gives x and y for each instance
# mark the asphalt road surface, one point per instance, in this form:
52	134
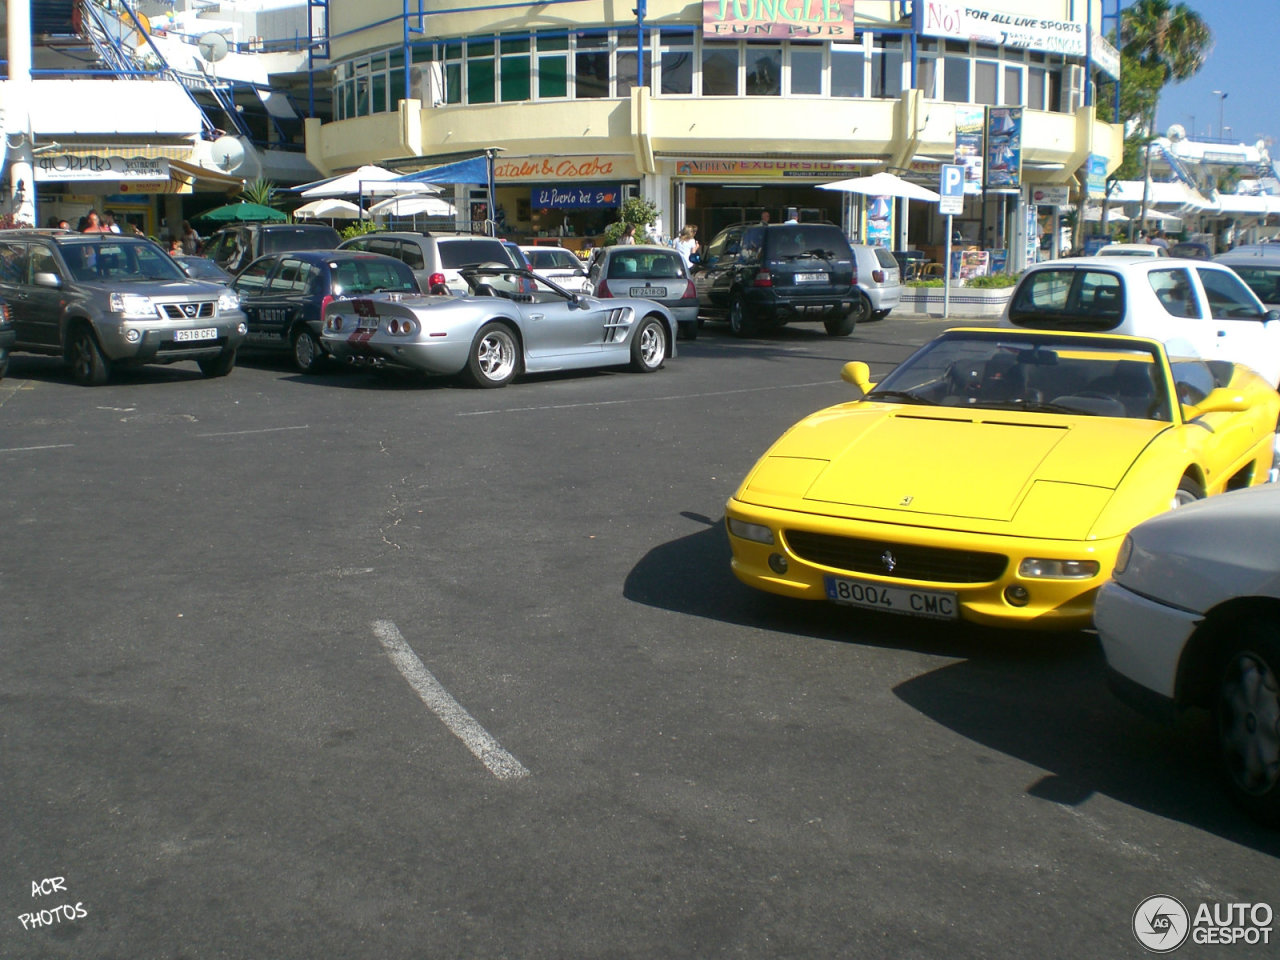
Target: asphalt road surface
366	666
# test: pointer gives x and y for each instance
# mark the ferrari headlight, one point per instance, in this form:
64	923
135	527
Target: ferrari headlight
228	300
1122	557
132	305
1036	569
750	531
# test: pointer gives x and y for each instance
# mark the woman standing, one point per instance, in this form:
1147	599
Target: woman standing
687	244
92	224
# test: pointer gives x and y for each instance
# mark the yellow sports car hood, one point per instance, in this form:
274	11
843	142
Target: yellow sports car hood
986	465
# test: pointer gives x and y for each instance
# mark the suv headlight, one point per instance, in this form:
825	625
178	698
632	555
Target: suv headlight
228	300
132	305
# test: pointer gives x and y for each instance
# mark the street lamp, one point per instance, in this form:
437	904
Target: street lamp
1222	100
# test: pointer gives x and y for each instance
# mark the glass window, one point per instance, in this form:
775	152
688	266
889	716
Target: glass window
1174	291
677	63
926	74
1035	88
591	66
627	64
1264	281
1012	86
806	69
764	70
847	73
1229	298
955	80
253	279
516	80
13	262
719	69
553	66
378	101
985	75
886	68
480	71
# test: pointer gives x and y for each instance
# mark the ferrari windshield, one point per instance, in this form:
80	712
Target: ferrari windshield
1042	374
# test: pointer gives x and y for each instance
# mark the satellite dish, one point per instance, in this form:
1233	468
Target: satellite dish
212	46
1177	132
228	154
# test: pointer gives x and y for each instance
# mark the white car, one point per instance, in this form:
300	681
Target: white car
1191	618
562	267
1198	307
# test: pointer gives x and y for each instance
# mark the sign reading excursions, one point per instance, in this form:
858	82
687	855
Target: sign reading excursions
798	19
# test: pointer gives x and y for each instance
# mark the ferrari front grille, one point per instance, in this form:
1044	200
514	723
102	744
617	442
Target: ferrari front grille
898	561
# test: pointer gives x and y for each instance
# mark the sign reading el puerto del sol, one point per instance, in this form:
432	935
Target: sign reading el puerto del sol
564	196
795	19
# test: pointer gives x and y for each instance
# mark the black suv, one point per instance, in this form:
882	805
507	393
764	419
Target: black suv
101	300
234	248
759	274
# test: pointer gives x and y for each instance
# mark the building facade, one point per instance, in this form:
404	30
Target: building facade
724	110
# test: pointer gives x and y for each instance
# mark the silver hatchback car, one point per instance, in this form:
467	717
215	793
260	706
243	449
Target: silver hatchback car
653	272
879	282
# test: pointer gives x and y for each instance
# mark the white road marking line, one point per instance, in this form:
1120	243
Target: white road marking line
50	446
240	433
438	700
606	403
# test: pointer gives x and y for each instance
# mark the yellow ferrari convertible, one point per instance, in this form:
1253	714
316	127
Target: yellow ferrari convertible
992	476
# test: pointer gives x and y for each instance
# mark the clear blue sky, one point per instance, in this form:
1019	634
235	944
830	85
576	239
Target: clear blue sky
1244	63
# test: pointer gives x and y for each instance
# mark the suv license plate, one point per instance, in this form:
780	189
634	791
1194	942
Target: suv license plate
811	278
648	292
205	333
934	604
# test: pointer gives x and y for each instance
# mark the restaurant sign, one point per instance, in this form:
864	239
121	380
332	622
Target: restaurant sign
784	19
562	168
567	196
763	169
68	166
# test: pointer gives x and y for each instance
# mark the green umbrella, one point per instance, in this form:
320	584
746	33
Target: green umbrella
240	213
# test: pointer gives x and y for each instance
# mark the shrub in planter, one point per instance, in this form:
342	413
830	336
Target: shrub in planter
994	281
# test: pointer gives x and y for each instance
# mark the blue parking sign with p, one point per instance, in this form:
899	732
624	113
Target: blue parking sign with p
951	189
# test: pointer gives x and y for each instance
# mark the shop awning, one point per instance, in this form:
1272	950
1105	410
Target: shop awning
474	170
187	177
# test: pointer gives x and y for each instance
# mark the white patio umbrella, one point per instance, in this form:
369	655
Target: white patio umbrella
411	206
1114	215
328	208
368	181
881	184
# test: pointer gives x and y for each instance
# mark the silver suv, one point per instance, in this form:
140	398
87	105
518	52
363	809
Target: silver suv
102	300
435	260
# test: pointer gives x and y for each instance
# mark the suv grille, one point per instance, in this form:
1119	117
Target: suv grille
187	311
909	562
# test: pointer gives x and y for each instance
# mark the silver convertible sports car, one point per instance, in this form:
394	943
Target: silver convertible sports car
492	335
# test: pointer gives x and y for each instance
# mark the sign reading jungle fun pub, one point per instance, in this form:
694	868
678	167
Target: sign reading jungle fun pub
797	19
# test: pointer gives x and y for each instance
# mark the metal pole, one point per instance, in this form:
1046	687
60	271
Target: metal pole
946	275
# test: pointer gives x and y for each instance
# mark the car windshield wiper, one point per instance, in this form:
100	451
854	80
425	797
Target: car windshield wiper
902	396
1044	406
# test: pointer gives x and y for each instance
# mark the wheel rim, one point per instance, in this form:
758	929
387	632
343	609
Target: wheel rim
82	361
1249	725
304	350
652	345
496	356
735	316
1183	497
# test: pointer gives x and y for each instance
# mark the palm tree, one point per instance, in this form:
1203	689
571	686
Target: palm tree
1170	37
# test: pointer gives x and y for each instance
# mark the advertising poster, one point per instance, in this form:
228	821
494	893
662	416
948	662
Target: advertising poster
1096	175
970	124
879	231
1004	147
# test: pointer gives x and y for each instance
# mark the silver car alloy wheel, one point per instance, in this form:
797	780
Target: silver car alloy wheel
496	355
1250	723
652	347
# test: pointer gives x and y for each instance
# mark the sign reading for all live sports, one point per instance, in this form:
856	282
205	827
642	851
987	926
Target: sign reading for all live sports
798	19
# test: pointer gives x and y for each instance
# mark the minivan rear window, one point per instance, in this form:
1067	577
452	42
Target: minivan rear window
1069	299
470	253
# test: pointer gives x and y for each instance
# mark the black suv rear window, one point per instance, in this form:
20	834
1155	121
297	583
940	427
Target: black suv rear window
814	239
1069	299
278	241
